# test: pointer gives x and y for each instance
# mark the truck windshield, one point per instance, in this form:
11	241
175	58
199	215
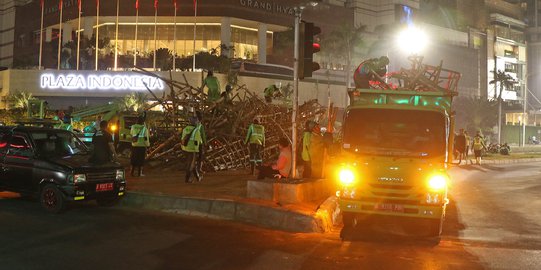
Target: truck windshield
388	132
57	143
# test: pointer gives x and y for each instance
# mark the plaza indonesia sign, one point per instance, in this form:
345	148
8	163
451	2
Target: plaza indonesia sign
100	82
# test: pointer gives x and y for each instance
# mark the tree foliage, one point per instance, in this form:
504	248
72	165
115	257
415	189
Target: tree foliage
504	80
132	102
476	113
19	99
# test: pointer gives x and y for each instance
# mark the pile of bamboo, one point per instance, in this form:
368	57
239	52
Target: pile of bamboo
225	124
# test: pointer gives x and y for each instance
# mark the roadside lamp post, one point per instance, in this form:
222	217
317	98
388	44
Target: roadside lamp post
412	40
298	15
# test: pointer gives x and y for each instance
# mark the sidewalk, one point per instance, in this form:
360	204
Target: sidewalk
222	195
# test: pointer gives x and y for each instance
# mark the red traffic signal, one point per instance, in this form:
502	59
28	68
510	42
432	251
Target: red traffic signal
308	47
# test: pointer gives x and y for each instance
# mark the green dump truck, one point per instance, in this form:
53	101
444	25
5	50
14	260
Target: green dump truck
396	146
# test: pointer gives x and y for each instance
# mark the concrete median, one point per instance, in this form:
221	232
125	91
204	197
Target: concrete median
257	212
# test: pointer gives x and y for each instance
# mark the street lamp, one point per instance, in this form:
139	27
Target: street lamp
298	15
412	40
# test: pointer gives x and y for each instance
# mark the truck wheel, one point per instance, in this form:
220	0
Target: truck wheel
108	202
52	199
435	227
349	221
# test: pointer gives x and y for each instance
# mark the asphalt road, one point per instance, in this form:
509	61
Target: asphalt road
494	222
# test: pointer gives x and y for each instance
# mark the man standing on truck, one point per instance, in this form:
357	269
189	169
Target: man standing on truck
256	138
365	71
213	85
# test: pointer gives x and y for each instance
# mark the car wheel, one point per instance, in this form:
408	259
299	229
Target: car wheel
52	199
109	202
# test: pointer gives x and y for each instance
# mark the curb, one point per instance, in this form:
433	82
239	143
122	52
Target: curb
501	161
266	215
510	161
328	213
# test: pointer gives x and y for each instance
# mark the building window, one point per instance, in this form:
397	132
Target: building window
510	67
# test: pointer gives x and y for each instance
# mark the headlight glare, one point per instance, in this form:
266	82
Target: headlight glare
437	182
79	178
346	176
119	174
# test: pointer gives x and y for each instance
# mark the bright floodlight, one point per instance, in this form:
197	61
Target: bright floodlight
412	40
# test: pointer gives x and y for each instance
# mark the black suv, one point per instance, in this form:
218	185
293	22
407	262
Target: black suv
53	165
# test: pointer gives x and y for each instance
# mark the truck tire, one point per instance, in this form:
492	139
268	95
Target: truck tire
52	199
435	227
349	221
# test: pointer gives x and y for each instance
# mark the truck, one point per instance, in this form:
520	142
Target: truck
396	146
120	123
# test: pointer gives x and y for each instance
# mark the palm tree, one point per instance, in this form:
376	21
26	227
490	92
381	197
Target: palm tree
19	99
348	38
132	102
506	82
475	113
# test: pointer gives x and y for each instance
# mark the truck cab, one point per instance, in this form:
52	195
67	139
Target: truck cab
395	151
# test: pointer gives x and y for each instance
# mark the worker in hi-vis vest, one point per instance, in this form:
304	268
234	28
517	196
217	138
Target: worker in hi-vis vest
256	138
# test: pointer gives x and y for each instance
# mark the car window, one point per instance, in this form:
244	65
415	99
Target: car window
57	143
19	147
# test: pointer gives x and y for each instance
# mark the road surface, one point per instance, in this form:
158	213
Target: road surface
494	222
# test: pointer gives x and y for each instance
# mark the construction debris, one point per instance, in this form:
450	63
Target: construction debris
225	124
419	77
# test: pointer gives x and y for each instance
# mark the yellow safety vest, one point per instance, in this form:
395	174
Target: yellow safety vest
142	132
306	141
477	143
256	134
195	139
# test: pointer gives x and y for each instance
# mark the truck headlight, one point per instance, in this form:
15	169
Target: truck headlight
437	182
79	178
119	174
346	176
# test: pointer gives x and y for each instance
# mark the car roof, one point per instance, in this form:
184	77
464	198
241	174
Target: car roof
29	129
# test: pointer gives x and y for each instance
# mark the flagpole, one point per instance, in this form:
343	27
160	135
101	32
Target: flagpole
175	37
194	32
136	23
116	34
60	35
79	33
97	31
155	29
41	34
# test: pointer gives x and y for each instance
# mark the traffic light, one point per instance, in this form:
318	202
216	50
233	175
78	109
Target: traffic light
308	47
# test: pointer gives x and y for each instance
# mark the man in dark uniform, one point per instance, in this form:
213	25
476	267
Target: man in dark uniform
102	141
363	74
